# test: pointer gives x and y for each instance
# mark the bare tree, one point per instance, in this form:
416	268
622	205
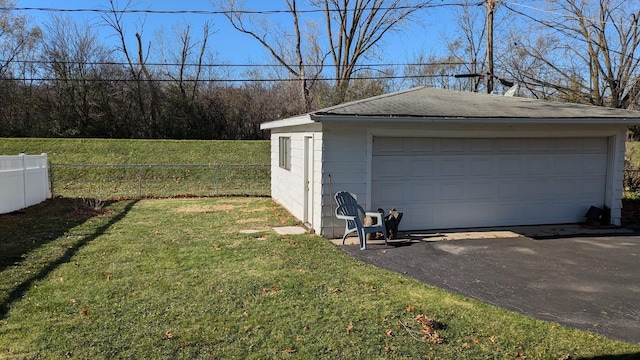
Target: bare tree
73	60
16	37
467	44
354	30
582	51
146	88
276	39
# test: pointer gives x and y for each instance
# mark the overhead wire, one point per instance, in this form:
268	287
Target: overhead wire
229	12
222	65
265	80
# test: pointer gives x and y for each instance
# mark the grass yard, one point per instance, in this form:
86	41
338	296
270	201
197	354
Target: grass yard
179	167
177	278
126	151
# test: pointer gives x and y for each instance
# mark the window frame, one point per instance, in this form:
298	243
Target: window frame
284	152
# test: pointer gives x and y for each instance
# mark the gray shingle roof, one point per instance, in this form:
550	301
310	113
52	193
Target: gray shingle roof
432	102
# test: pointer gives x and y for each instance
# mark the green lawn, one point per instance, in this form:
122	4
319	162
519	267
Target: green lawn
179	278
118	151
151	168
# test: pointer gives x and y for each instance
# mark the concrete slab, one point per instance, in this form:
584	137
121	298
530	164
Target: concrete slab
533	231
290	230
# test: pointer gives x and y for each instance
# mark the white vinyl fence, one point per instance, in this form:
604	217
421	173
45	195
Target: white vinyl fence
24	181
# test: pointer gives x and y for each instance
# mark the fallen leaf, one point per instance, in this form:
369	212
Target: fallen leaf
428	327
109	277
85	312
289	351
73	301
475	341
349	327
388	333
167	336
410	308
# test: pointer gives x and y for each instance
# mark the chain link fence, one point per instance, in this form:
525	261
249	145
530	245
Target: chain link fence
116	181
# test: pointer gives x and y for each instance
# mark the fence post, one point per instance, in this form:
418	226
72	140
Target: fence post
217	177
24	179
51	180
139	182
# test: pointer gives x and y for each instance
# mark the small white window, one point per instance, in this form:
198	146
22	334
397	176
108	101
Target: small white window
285	152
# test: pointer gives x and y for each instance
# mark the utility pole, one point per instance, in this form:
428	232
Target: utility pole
491	4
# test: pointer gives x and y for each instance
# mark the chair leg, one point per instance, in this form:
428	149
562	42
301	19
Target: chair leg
363	239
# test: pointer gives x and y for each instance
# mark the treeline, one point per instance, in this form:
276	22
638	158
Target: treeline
127	108
59	79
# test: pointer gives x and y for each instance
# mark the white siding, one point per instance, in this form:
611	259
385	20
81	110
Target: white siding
288	186
344	169
347	156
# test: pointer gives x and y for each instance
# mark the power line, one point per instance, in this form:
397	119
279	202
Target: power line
116	63
229	12
370	78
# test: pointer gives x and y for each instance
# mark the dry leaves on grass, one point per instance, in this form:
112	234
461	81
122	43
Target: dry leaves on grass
429	328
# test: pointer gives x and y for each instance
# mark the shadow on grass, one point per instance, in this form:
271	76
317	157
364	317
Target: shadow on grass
37	226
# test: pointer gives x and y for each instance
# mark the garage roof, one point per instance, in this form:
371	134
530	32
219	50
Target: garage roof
427	104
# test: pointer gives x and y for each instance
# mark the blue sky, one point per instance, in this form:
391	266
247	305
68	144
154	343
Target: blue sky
229	45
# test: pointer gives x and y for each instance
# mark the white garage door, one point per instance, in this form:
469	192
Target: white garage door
453	183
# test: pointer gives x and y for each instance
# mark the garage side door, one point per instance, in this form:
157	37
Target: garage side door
452	183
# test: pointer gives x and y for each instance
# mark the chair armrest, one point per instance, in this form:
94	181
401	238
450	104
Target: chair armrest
345	217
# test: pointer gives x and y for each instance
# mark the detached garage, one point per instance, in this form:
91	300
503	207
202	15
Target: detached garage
451	160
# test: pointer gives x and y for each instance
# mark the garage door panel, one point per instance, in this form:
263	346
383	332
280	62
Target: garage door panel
509	165
564	188
421	167
537	165
599	146
481	190
452	166
594	164
417	146
387	192
565	164
388	167
589	186
416	218
388	146
480	166
536	146
509	146
452	191
509	189
452	146
442	183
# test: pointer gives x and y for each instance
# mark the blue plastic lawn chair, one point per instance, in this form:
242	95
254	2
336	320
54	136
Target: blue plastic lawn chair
353	214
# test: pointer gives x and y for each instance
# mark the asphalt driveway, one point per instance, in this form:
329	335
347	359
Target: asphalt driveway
589	283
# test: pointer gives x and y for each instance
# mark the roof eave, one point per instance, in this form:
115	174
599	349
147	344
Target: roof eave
305	119
474	120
